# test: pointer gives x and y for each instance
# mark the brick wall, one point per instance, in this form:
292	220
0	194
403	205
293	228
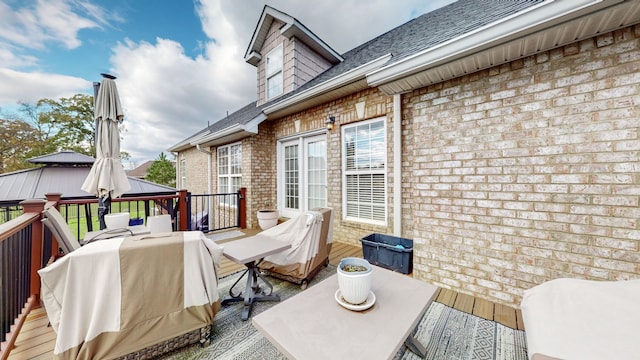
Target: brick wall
259	172
197	166
528	171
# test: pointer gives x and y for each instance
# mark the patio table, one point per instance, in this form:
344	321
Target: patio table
250	252
312	325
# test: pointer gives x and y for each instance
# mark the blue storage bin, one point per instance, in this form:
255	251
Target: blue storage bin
391	252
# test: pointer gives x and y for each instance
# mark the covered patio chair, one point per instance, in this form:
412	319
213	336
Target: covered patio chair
310	235
54	221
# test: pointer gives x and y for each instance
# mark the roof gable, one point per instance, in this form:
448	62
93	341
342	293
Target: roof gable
291	28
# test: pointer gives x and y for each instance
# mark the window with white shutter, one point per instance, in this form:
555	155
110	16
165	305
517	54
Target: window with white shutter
364	172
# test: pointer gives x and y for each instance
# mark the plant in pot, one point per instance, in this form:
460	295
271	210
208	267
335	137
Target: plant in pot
354	280
267	218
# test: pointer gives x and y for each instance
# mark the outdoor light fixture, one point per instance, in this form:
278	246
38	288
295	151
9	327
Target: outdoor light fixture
329	122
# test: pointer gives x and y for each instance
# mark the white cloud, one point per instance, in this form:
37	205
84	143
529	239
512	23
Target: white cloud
45	21
35	86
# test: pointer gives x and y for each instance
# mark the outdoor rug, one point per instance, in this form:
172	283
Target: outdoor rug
446	332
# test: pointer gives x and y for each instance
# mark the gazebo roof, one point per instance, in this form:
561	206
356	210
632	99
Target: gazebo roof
63	172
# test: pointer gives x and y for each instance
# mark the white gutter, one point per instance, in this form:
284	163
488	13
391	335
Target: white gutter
397	165
249	128
546	14
331	84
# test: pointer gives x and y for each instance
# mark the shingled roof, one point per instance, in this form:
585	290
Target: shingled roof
459	38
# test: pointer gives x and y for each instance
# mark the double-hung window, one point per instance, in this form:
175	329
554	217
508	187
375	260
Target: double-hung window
364	172
274	76
229	171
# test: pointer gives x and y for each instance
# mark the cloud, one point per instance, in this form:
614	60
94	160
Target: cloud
36	24
35	86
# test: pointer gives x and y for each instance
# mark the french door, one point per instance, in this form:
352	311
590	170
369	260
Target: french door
302	174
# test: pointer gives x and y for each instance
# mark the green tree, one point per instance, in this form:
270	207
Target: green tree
18	140
162	171
46	127
65	124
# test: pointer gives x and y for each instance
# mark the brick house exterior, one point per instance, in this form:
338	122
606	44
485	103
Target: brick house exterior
509	162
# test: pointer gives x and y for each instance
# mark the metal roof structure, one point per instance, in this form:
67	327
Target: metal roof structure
64	173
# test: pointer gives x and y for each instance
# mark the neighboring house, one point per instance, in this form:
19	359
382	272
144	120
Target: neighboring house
140	172
501	136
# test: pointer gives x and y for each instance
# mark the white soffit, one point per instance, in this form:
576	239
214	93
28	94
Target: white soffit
541	28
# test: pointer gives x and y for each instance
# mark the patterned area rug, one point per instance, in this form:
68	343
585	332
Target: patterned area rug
446	333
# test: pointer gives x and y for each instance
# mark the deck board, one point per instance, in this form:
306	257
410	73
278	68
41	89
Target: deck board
505	315
37	340
464	303
483	308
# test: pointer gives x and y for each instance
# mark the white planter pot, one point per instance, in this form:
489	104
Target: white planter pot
355	286
267	218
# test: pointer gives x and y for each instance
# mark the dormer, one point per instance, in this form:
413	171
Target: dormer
286	54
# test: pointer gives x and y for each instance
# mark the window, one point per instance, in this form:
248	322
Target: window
183	172
364	172
302	174
274	80
229	170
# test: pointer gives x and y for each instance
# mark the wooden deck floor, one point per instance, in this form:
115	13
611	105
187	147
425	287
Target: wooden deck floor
36	340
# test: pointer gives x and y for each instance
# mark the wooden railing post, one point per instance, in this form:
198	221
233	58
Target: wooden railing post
182	208
242	205
35	206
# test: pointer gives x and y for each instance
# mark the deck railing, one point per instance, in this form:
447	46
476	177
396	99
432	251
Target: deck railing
25	247
21	256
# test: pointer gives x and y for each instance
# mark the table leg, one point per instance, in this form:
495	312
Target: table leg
415	346
252	292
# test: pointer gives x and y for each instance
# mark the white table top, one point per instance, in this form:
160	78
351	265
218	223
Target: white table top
312	325
244	251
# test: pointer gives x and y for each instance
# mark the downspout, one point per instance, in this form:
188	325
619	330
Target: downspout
175	156
209	182
397	165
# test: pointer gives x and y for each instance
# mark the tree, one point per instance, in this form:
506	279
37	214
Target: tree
162	171
18	140
66	124
46	127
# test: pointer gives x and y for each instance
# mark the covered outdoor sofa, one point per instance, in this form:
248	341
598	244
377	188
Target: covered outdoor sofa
133	297
582	319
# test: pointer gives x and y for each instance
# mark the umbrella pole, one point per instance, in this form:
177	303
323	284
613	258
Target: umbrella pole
104	203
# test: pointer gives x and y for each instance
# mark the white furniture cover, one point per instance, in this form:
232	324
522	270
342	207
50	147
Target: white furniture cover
114	297
582	319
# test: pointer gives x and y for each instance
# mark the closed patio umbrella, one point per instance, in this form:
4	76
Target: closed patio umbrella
107	179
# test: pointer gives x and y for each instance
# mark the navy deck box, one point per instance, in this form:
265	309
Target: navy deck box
391	252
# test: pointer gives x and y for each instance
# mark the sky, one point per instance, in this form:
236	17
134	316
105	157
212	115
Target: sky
179	64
